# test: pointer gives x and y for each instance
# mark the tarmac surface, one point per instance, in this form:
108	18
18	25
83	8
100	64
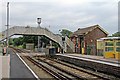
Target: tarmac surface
18	70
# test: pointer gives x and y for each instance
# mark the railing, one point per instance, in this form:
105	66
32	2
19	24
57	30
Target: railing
70	43
38	31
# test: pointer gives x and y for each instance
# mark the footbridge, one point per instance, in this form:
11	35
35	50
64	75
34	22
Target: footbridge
22	30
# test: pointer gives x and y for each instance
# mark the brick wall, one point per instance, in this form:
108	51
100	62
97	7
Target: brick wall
91	40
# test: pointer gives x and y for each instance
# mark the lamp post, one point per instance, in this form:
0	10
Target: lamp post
7	37
39	22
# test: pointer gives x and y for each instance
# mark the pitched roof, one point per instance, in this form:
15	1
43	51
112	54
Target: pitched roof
84	31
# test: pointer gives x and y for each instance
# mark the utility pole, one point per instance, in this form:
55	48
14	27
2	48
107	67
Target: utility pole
7	37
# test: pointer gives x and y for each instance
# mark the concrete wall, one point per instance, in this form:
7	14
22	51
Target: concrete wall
30	46
4	66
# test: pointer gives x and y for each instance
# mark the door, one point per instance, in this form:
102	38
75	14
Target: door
81	45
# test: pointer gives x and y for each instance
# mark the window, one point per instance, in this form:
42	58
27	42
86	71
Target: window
109	48
117	49
108	43
117	43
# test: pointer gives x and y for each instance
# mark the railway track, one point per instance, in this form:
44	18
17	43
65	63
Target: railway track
82	73
63	71
19	50
55	73
111	69
100	75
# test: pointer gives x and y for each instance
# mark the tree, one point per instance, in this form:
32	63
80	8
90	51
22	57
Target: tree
117	34
66	32
11	41
18	41
34	39
30	39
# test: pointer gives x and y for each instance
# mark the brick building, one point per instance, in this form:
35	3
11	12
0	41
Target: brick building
85	39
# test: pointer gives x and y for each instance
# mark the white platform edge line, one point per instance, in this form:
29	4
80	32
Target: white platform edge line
117	65
28	67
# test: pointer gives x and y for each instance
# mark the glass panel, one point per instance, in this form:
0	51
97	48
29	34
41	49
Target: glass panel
117	43
118	49
0	49
109	48
108	43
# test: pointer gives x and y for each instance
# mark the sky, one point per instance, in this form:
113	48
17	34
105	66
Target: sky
62	14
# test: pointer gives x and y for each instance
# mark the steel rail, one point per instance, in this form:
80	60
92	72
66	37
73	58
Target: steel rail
106	77
50	71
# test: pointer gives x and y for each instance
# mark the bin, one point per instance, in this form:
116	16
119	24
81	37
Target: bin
52	51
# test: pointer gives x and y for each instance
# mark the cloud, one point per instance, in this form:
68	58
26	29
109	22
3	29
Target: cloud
70	14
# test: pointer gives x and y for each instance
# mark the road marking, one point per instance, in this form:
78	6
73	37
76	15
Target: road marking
28	67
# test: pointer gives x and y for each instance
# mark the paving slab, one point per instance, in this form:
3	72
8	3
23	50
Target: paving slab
4	66
17	69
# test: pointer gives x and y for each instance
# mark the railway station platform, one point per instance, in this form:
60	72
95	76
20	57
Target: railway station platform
4	66
101	58
95	63
18	69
